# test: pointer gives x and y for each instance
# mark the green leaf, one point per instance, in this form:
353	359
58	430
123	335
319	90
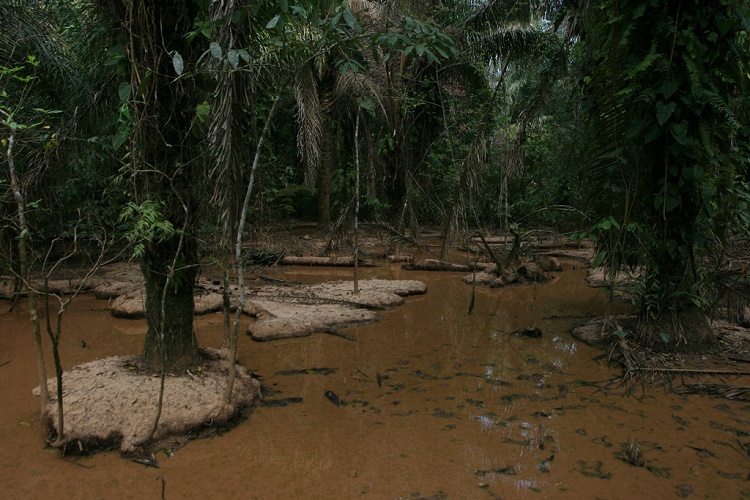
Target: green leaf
664	111
679	132
672	203
273	22
351	21
215	49
283	5
234	58
244	55
145	82
652	133
178	63
203	111
636	128
124	91
658	200
668	88
120	138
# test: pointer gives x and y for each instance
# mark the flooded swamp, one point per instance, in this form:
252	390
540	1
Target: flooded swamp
431	402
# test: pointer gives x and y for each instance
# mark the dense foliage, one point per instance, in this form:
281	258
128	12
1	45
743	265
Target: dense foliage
625	120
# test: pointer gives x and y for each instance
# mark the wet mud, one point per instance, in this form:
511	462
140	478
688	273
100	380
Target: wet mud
430	403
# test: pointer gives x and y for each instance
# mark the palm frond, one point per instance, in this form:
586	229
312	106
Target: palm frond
29	28
309	118
502	13
228	144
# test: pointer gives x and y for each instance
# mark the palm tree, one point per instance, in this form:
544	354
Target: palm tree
667	92
315	82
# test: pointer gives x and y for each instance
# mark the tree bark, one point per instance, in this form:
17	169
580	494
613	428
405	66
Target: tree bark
325	175
25	273
163	108
180	345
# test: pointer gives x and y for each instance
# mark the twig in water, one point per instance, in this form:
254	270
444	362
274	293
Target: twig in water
342	335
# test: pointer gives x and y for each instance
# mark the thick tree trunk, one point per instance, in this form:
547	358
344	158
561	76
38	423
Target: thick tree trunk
163	109
179	342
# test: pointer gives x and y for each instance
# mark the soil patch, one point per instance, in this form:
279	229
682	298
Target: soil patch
110	404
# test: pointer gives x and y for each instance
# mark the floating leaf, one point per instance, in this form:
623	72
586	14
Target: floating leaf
24	423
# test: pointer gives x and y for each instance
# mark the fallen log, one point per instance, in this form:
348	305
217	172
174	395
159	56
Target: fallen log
441	265
347	261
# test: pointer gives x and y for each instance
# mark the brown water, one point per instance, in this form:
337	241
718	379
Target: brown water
462	410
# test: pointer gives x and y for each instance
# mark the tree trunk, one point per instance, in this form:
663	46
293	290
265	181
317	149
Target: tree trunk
180	345
325	175
25	274
164	160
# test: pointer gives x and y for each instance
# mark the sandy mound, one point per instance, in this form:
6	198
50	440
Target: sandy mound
208	298
109	403
279	320
299	310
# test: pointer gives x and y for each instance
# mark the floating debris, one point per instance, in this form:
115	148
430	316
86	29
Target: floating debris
333	398
681	420
309	371
506	471
683	490
733	392
529	333
728	428
147	461
278	403
594	470
632	453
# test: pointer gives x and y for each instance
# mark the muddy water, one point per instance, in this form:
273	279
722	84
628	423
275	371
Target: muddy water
440	404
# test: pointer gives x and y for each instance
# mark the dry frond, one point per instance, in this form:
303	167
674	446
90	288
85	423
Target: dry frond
309	133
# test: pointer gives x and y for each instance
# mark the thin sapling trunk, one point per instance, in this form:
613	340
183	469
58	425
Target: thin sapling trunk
25	274
238	254
356	205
